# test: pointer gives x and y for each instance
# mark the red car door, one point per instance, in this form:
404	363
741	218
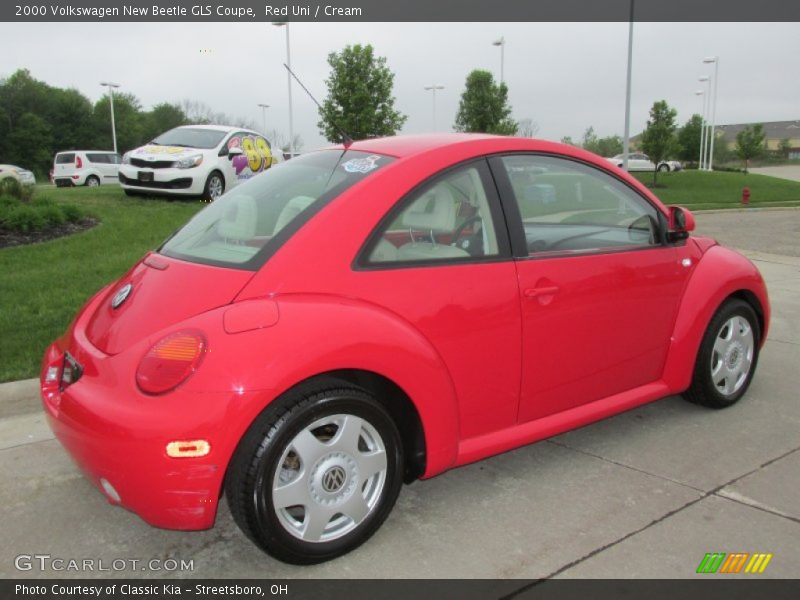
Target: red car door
442	260
598	286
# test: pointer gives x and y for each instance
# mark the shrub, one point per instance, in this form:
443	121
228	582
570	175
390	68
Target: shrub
53	216
24	219
40	214
10	187
72	213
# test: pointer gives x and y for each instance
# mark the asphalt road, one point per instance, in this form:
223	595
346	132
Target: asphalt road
645	494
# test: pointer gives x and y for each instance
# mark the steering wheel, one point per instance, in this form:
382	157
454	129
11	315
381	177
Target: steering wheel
460	229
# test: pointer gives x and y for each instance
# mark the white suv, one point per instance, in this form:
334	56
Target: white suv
195	160
85	167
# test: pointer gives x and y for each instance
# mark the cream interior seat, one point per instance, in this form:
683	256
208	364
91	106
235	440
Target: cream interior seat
434	213
238	224
293	208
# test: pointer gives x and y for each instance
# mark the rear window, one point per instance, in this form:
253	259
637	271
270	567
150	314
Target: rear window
191	137
62	159
244	227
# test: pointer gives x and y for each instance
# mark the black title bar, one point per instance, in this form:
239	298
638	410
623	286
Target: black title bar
398	10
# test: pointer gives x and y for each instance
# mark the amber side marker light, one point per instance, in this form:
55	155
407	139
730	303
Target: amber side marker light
188	449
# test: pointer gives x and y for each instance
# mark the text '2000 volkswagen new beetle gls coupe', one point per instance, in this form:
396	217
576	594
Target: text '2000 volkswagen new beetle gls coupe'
366	315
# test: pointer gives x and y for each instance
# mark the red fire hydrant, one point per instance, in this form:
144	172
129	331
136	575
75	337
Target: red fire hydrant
746	196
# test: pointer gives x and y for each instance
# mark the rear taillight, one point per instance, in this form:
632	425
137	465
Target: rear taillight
78	162
171	361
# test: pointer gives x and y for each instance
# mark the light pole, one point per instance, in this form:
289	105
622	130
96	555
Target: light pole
433	88
502	43
264	108
706	108
626	142
702	129
715	60
289	83
111	87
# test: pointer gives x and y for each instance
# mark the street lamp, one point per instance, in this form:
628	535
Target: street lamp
433	88
264	108
626	142
502	43
111	87
715	60
702	128
704	136
289	84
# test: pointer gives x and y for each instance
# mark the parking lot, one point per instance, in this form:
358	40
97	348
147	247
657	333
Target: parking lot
645	494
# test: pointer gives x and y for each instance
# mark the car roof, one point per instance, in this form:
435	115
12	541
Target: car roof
225	128
74	151
406	145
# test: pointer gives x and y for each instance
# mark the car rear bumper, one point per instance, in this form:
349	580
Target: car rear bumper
118	436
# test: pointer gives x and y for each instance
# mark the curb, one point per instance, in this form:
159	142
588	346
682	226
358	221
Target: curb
19	398
711	211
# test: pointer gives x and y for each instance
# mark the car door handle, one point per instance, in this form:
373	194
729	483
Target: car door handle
541	291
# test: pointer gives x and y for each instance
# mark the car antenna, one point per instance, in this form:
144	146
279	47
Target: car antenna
346	139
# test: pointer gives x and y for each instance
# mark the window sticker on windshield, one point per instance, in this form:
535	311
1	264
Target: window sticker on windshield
361	165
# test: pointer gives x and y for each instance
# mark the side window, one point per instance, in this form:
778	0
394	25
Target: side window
570	207
447	219
113	159
96	158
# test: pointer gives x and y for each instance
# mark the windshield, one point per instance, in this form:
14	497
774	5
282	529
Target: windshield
191	137
244	227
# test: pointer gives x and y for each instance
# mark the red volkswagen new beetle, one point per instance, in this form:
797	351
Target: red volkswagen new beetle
363	316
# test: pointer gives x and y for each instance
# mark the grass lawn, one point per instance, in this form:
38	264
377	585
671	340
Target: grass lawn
43	285
701	190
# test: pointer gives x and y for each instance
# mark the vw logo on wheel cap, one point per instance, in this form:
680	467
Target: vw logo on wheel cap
121	295
333	479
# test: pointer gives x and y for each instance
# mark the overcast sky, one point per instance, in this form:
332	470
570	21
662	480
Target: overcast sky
564	76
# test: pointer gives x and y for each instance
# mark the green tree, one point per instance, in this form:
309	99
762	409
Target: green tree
360	99
567	139
609	146
161	118
658	138
688	147
784	147
484	106
127	120
750	143
30	143
606	146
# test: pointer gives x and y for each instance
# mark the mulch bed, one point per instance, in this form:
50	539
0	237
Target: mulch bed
16	238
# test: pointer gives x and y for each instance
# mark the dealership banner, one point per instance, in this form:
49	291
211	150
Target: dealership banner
404	10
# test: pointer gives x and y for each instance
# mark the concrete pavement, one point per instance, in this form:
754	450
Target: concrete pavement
791	172
643	494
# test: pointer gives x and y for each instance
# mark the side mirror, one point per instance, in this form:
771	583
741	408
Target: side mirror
681	222
235	151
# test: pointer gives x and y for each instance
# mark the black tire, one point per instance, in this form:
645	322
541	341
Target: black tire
664	168
250	476
214	178
92	181
703	390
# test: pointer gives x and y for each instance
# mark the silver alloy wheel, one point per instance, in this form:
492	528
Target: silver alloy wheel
215	187
732	355
92	182
329	478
